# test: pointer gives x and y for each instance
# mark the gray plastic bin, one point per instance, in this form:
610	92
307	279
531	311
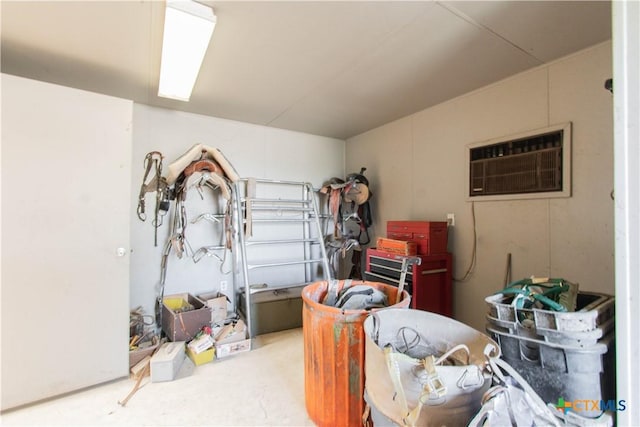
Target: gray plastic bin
593	319
592	309
555	371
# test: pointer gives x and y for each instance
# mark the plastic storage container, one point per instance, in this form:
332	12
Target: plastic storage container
593	319
557	371
592	309
334	355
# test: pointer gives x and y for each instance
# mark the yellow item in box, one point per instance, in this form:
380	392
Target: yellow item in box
201	358
176	304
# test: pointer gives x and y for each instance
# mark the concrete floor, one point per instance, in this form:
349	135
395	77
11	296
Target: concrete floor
263	387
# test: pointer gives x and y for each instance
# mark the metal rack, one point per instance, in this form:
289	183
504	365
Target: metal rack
281	240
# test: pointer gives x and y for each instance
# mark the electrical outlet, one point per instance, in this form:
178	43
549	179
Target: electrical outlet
451	220
223	285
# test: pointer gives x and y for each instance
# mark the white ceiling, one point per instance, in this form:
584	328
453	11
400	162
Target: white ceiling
331	68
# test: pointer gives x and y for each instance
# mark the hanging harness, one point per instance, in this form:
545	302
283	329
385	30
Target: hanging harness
350	197
153	183
356	193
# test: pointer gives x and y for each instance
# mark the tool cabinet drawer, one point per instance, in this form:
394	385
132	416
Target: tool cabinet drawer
428	283
388	267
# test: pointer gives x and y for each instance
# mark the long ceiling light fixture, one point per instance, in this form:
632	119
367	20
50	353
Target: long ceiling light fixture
188	27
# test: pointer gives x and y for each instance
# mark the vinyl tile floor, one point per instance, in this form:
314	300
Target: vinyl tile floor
262	387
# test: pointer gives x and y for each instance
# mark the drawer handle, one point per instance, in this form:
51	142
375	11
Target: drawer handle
384	267
398	235
436	271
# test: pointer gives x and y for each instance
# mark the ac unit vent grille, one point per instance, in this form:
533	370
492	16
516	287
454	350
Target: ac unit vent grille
521	166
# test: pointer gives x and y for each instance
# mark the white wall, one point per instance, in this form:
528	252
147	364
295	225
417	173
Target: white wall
255	151
416	166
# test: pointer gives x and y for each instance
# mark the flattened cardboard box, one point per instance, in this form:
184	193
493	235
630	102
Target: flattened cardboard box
217	302
183	325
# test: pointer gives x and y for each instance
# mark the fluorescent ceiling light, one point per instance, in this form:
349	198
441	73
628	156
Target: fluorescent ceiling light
188	27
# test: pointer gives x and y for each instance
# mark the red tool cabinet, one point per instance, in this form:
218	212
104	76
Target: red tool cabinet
431	236
428	283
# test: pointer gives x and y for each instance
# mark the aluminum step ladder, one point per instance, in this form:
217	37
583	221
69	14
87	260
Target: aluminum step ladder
280	237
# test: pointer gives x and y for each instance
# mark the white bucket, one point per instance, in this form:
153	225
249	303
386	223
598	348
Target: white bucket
400	372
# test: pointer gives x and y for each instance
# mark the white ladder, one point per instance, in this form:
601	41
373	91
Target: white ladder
279	229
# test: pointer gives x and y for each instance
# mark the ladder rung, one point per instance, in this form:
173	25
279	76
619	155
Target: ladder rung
279	208
276	288
269	242
259	200
282	220
279	182
280	264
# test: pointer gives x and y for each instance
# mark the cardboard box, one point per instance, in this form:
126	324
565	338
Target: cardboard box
181	325
230	333
201	344
232	339
217	302
225	350
166	362
202	357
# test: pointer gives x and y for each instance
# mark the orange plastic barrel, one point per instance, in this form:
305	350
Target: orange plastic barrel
334	348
